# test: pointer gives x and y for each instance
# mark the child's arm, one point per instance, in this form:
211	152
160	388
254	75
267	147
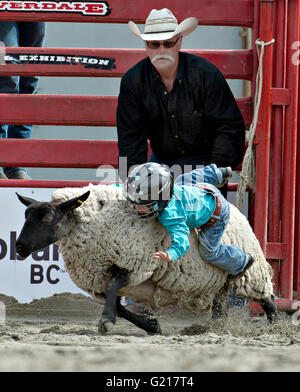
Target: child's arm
179	234
173	218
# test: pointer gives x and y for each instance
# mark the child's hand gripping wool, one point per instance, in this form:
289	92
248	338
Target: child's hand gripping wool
163	256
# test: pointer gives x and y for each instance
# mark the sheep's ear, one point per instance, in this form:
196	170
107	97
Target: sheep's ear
27	201
73	203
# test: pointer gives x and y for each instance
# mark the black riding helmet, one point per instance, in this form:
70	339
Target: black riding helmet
150	185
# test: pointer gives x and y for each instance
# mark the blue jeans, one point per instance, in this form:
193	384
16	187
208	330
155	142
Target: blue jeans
228	257
15	34
186	165
209	174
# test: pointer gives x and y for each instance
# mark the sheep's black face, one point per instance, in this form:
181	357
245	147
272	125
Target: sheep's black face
43	223
39	228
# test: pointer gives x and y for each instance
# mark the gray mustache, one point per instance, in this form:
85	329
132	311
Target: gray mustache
162	56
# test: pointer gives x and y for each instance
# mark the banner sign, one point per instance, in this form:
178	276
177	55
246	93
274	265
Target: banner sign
58	59
99	8
40	275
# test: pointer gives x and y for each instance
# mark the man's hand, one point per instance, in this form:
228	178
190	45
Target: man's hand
164	256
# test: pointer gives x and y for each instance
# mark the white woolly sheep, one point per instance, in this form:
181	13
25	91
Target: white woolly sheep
103	233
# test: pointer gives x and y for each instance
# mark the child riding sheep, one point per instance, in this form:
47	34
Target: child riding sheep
188	203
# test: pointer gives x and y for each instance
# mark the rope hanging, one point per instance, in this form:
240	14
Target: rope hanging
247	174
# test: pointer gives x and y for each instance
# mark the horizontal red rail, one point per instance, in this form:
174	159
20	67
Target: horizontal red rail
218	12
282	304
234	64
58	153
46	183
58	110
72	109
63	184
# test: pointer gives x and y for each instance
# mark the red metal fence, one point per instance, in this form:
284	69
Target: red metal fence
275	209
276	217
97	110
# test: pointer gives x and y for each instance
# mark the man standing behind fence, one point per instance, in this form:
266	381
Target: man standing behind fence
178	101
14	34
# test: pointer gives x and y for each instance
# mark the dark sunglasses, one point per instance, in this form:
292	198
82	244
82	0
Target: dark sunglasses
166	44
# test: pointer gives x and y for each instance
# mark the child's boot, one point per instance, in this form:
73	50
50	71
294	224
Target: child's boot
226	173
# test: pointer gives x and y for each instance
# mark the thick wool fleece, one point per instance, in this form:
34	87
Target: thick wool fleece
105	232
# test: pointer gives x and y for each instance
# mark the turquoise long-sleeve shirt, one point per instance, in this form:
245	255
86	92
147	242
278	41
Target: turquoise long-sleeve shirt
189	207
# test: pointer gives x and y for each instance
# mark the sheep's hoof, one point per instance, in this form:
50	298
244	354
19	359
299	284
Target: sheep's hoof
154	333
154	328
105	326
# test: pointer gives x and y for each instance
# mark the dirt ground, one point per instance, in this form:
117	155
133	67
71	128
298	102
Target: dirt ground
60	334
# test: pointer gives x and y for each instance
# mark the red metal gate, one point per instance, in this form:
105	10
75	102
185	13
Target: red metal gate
275	209
276	216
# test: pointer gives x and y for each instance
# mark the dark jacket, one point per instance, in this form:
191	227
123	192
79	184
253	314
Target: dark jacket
199	118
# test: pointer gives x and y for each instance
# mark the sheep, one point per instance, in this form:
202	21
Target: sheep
108	253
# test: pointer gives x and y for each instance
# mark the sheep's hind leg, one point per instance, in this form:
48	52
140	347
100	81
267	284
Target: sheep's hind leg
220	304
109	314
147	322
269	307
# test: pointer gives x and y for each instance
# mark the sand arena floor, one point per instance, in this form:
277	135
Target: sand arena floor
60	334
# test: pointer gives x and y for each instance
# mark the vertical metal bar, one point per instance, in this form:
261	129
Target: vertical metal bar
289	151
296	60
263	129
258	199
255	35
276	135
297	208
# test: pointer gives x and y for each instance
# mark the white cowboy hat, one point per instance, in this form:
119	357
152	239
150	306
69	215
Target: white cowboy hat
162	24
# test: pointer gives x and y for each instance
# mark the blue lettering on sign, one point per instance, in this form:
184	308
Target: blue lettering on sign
38	273
39	255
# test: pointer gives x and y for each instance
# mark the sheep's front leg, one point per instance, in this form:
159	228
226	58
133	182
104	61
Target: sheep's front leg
109	315
147	322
